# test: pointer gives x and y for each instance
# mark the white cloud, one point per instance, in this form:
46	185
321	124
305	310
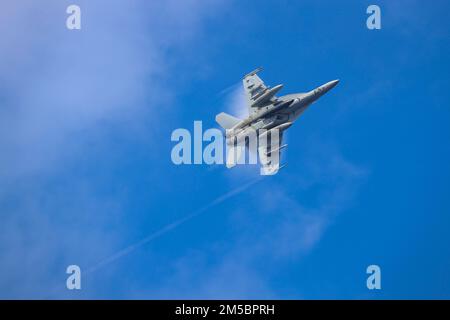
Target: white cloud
60	84
58	90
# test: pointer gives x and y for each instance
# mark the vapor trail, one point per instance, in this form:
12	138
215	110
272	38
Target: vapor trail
170	227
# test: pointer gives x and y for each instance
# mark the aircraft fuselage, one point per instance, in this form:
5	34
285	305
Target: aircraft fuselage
281	113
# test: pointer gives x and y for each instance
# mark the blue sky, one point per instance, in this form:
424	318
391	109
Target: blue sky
86	176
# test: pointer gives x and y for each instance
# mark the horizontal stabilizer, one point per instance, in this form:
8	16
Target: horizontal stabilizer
227	121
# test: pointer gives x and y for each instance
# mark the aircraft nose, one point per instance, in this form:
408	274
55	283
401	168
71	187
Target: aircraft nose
320	91
326	87
330	85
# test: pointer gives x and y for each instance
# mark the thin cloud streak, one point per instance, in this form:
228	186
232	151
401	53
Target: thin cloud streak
171	226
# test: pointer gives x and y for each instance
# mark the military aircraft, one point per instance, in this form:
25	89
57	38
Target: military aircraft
268	113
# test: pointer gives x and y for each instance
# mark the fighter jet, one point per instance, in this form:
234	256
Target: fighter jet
268	112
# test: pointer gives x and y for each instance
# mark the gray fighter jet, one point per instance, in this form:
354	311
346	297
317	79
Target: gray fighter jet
267	111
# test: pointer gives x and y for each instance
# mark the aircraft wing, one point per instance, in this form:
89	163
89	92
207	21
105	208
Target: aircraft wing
256	92
253	86
270	159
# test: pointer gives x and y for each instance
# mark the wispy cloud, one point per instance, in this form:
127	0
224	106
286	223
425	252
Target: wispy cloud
59	85
60	90
235	103
272	228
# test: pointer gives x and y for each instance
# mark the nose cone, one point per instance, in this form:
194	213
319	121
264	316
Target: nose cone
320	91
315	94
330	85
